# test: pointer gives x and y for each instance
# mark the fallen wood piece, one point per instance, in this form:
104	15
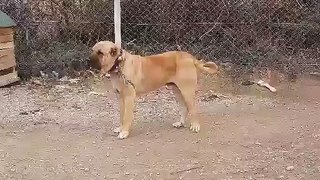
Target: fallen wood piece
211	95
30	112
93	93
8	79
185	170
260	83
316	74
267	85
218	95
247	83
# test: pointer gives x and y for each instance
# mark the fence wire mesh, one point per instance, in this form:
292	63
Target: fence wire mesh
282	34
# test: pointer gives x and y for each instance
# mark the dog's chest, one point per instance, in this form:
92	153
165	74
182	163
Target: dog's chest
115	81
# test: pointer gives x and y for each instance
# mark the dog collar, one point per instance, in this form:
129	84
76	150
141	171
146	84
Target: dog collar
117	62
116	68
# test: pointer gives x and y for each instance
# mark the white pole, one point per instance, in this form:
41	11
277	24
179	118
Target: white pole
117	22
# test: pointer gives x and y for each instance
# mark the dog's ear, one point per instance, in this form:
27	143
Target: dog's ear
113	51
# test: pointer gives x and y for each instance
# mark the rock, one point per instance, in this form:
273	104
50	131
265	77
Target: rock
74	81
64	79
55	74
36	82
289	168
257	143
44	75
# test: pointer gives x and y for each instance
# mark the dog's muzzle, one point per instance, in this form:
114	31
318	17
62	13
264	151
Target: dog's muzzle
94	62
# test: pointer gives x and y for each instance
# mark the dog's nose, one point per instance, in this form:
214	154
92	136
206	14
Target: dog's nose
93	62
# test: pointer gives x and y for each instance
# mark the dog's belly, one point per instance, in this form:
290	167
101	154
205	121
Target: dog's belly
143	91
145	87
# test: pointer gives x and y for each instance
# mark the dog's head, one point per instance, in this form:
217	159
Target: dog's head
103	56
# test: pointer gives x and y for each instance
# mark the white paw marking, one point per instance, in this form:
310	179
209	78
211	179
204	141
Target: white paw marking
123	134
178	124
195	127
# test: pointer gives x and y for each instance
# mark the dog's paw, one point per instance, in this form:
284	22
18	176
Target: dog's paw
123	135
195	127
178	124
117	130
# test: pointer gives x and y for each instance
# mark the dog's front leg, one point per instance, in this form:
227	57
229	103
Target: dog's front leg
127	97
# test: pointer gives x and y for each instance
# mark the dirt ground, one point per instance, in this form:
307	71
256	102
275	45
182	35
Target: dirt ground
64	131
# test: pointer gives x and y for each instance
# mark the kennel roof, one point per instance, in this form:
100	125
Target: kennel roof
6	21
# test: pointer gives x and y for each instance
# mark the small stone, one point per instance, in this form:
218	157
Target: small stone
36	82
108	154
12	169
127	173
86	169
257	143
289	168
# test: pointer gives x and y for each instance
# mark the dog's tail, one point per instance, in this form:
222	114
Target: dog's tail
209	67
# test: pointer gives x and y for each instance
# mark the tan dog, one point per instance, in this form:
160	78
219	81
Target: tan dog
134	75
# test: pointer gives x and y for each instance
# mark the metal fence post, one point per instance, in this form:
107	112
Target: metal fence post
117	22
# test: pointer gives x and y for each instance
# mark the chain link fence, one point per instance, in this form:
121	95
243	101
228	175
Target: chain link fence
56	35
279	34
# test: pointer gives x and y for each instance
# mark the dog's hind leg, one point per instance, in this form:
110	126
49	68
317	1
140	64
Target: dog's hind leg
183	109
188	90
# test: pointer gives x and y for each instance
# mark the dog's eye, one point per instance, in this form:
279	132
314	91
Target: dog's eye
99	52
